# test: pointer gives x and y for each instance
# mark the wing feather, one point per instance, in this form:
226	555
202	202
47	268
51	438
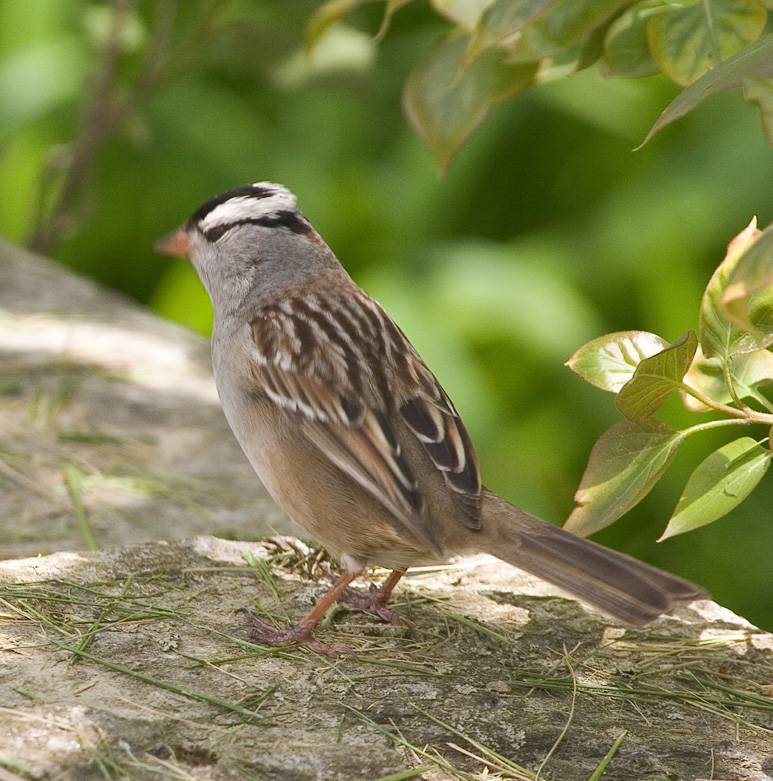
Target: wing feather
347	369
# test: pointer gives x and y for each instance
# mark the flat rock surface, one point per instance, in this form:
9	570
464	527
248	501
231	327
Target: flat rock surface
106	406
133	660
136	663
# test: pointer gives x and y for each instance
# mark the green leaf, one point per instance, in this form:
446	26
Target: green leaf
689	40
748	371
327	14
719	484
624	465
626	50
759	315
656	377
392	7
341	48
592	48
462	12
760	92
503	19
610	361
445	101
755	61
747	298
717	335
564	26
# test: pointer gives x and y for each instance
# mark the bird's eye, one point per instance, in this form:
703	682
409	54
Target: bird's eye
217	232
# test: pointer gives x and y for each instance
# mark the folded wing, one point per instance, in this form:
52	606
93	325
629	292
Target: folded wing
344	367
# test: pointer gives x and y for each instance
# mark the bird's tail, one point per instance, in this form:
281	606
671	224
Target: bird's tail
627	589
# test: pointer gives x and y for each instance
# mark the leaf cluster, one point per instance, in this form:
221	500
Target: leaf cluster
499	48
721	369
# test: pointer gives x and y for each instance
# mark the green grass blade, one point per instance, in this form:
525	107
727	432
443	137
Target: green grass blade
602	766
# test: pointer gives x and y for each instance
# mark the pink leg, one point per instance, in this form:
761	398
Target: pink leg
302	632
376	600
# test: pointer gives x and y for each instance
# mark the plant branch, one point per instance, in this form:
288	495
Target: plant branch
711	424
712	27
103	114
707	402
731	386
97	117
760	399
746	413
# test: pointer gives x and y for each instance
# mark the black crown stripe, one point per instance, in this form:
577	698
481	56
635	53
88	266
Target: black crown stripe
282	219
245	190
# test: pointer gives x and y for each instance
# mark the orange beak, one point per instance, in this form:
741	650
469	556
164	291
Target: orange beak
177	244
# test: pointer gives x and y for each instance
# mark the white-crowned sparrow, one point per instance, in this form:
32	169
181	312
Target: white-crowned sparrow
349	430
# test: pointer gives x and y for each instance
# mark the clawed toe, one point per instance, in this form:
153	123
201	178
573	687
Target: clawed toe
266	634
372	602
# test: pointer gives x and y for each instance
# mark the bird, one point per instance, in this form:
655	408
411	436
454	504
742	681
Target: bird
351	433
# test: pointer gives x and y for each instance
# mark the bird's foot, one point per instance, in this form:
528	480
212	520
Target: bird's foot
373	602
267	634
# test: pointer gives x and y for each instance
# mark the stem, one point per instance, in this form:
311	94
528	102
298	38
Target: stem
760	399
104	113
718	424
97	119
731	387
710	23
744	414
707	402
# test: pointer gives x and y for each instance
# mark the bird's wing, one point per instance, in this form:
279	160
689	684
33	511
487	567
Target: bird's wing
339	362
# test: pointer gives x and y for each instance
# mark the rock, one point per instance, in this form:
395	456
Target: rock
138	659
95	389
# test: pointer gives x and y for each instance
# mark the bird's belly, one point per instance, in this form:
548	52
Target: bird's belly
271	451
312	491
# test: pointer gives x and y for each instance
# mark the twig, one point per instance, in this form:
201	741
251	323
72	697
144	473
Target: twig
744	414
569	718
98	118
103	114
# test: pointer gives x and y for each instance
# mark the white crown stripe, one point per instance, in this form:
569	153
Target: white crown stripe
248	207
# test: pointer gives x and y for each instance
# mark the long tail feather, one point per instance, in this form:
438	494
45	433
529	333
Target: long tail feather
627	589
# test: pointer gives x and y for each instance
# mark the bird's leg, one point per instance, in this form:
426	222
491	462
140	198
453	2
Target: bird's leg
302	632
376	599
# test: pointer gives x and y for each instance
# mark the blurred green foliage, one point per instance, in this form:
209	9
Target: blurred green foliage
546	232
498	48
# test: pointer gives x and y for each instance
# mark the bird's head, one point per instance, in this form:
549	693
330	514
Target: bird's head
245	237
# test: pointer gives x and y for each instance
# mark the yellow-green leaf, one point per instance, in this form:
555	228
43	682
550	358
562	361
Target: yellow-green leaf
392	7
719	484
445	101
747	298
609	362
755	61
717	335
688	40
462	12
503	19
626	50
760	92
656	377
564	26
747	372
624	465
327	14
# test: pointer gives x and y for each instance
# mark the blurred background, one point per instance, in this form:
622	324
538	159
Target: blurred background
546	231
